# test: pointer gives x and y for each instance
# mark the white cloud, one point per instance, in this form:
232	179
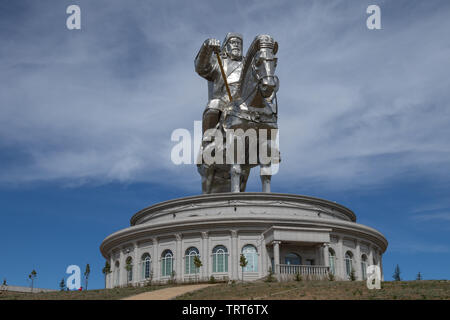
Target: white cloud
419	248
442	216
357	107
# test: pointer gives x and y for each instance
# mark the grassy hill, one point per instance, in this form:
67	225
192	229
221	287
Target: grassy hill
325	290
301	290
101	294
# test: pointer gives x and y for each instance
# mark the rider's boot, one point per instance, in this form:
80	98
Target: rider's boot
235	178
266	175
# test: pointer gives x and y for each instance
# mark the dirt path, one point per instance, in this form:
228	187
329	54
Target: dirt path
167	293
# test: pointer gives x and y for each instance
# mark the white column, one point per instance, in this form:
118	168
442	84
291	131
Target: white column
276	256
370	248
136	275
178	257
381	266
109	277
262	255
340	263
122	271
358	269
209	257
155	260
325	254
234	255
204	269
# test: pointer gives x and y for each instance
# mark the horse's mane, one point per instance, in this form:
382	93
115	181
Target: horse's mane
260	41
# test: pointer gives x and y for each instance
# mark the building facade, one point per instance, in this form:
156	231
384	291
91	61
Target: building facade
284	233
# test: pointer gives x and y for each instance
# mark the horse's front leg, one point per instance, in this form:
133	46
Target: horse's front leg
235	173
266	175
244	177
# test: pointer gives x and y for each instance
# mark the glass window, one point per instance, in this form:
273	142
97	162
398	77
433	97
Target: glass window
332	261
292	258
309	262
189	265
129	268
146	266
251	256
348	263
364	266
166	263
220	259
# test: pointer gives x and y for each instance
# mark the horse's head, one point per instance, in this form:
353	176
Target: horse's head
263	68
259	68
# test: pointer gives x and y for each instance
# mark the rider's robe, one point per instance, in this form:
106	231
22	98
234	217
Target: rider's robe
207	66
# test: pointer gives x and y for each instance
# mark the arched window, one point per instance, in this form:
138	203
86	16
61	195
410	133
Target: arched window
117	274
166	263
332	261
292	258
348	263
129	268
364	266
146	265
189	265
251	256
220	259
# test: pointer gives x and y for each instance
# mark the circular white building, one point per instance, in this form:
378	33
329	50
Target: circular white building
286	233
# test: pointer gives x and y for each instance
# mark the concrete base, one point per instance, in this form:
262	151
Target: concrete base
283	232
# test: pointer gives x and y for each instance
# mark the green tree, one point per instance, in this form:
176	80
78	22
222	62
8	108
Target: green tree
352	275
396	274
330	276
419	276
62	285
172	277
32	276
106	270
270	277
243	263
87	272
198	263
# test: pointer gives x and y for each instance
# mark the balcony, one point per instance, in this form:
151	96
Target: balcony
308	272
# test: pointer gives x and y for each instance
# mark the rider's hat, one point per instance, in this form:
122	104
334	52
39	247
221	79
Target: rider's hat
229	36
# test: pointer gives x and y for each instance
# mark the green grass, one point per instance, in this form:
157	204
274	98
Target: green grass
101	294
325	290
294	290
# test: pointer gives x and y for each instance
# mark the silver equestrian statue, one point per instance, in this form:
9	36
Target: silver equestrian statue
243	108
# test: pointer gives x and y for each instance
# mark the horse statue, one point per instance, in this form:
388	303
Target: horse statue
245	134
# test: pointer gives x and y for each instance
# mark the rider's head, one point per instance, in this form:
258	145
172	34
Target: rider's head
232	45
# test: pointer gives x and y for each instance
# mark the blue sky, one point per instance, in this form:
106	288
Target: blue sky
86	118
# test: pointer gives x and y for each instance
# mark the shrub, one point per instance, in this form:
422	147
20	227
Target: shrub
298	277
270	277
352	275
172	278
330	276
212	279
148	283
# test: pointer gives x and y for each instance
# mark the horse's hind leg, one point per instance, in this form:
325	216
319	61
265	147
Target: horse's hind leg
235	173
244	177
266	175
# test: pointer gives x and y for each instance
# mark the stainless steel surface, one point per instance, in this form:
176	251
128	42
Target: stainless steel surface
253	86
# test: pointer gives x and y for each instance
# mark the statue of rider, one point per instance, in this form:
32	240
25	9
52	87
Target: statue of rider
207	66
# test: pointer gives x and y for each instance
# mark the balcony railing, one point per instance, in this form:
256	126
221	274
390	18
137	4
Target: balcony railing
303	269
